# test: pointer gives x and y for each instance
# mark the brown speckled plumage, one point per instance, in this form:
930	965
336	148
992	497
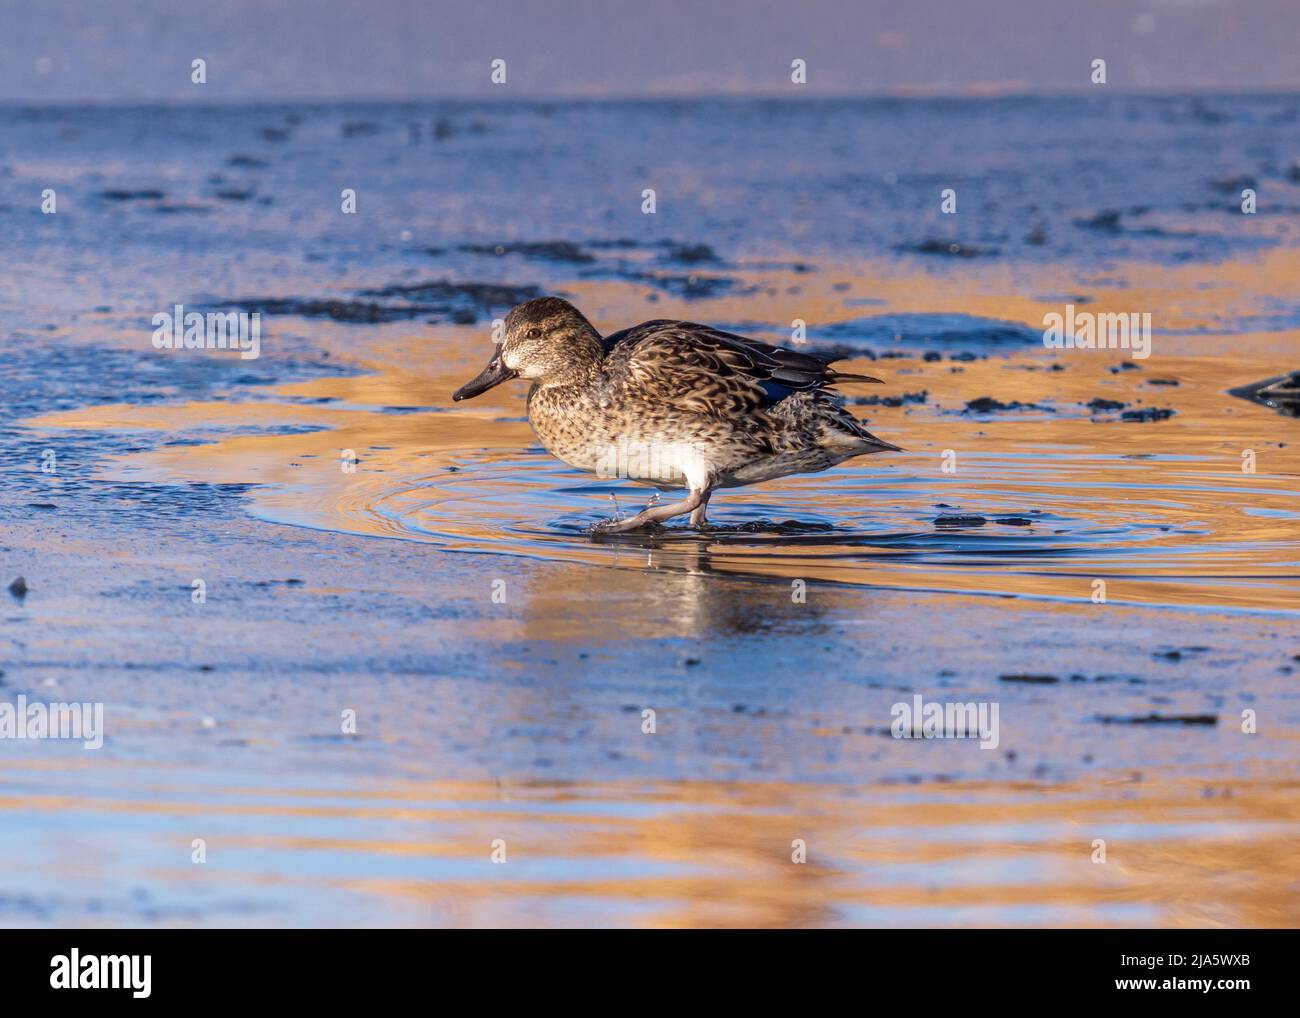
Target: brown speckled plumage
674	404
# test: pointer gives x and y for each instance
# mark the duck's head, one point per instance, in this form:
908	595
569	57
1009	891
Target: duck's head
547	340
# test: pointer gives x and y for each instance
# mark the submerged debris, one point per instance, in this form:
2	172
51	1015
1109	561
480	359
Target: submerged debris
548	250
689	287
960	520
353	311
460	302
892	401
693	254
951	249
1106	221
1177	653
987	405
1146	414
486	295
143	195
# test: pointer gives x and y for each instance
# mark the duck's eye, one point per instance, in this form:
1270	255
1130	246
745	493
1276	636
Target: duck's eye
534	333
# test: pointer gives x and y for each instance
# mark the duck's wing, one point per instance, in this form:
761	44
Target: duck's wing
705	370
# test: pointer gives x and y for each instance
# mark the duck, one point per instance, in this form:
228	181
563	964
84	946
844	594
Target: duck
673	404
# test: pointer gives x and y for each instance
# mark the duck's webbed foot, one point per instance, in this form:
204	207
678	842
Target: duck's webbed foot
692	503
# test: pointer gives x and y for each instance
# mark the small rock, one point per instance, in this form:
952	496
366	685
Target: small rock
1146	414
987	404
967	520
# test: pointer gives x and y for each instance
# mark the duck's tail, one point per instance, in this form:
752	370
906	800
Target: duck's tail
847	432
834	377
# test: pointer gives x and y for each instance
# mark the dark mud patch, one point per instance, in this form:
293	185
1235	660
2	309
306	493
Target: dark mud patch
1177	653
1159	719
906	399
439	299
689	286
989	405
1114	221
147	194
949	249
546	250
567	252
692	254
172	208
1132	680
483	295
1105	221
1147	414
355	312
960	520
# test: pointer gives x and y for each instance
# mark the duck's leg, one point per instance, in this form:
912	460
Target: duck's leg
697	516
693	502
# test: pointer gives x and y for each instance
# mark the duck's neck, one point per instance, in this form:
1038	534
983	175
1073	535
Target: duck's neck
584	358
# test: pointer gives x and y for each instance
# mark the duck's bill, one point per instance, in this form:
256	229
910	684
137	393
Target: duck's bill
494	374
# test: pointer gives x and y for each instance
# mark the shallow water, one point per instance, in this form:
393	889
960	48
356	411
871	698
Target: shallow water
661	854
1041	501
373	589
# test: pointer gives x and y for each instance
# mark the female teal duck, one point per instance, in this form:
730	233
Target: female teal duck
673	404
